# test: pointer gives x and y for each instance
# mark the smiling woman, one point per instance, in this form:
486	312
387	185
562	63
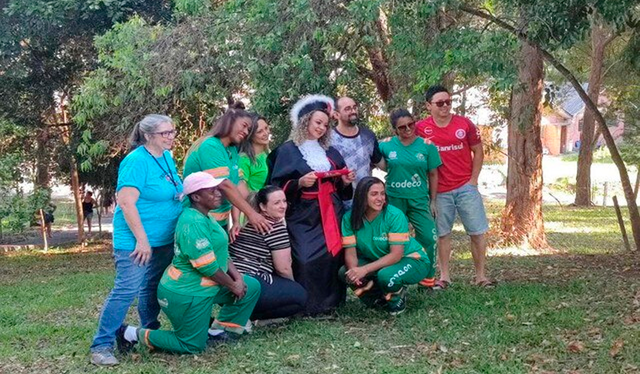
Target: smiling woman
148	194
381	259
217	154
267	258
299	167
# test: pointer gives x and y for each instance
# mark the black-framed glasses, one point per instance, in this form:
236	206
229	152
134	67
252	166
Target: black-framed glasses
407	127
442	103
167	134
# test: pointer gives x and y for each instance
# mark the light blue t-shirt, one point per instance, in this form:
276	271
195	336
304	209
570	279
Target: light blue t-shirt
157	204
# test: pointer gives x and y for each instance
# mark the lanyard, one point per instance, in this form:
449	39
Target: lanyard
168	175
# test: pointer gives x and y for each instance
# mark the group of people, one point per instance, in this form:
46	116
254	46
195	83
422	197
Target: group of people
273	234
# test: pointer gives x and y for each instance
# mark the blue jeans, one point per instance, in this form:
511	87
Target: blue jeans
467	202
131	281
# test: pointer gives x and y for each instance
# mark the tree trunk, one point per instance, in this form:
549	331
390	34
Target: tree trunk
522	221
599	41
77	197
632	206
43	158
378	58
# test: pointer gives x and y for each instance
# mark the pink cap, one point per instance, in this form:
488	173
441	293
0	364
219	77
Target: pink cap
198	181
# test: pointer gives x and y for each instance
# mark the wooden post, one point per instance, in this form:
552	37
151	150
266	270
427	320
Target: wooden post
44	231
621	223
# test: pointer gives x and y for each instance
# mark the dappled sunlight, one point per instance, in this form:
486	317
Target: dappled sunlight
572	228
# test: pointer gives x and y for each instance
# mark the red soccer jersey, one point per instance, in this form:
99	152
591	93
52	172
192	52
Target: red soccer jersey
454	143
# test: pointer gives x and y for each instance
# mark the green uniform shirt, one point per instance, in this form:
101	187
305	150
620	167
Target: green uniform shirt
254	174
375	238
214	158
201	248
408	167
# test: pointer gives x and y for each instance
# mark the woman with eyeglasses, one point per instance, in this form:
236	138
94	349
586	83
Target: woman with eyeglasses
412	182
148	196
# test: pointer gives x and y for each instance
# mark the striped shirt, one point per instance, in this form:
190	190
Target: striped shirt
251	251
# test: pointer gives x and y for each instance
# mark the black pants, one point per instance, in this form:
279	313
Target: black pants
282	298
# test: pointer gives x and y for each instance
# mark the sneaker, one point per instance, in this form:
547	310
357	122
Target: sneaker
223	338
104	358
397	302
124	346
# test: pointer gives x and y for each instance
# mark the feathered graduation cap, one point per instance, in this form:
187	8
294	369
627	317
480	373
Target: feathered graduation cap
311	103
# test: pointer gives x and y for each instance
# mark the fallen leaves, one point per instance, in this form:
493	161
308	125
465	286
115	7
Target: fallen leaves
616	348
575	347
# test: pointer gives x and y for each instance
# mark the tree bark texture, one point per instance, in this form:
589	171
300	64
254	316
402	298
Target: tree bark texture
632	206
380	67
599	41
522	220
43	158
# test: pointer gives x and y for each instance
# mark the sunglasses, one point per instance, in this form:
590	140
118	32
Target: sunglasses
442	103
407	127
167	134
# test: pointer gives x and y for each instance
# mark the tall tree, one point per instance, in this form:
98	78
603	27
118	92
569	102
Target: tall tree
561	25
601	37
522	221
45	48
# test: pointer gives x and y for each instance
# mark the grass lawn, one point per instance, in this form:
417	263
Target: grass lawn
574	311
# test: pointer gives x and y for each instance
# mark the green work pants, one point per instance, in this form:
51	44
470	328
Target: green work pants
419	215
391	279
190	316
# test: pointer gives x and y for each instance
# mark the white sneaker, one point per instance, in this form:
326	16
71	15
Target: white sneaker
104	358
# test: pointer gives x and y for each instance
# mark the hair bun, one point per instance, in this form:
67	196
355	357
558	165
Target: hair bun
237	105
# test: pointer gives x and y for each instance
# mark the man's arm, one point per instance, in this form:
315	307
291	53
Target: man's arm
478	159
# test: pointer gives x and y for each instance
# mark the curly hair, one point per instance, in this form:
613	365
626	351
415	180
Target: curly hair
300	132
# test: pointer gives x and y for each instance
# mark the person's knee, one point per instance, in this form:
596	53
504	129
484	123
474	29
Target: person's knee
300	295
253	287
342	274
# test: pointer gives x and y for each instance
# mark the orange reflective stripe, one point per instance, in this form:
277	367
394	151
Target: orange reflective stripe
219	216
428	282
207	282
203	260
222	171
174	273
398	237
228	324
146	338
348	240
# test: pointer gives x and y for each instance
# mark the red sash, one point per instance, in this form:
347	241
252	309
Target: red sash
330	225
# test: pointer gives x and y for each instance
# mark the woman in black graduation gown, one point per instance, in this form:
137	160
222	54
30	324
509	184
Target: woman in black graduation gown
315	179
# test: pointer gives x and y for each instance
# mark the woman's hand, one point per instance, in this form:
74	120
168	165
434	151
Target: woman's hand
142	254
239	289
260	223
308	179
234	231
355	275
349	178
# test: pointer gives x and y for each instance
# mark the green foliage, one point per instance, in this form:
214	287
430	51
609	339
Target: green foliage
540	306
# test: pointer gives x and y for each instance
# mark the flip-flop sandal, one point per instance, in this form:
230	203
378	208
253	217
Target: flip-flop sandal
485	284
441	285
361	290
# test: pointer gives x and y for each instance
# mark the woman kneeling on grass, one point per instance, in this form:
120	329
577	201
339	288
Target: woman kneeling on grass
380	256
267	258
200	276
